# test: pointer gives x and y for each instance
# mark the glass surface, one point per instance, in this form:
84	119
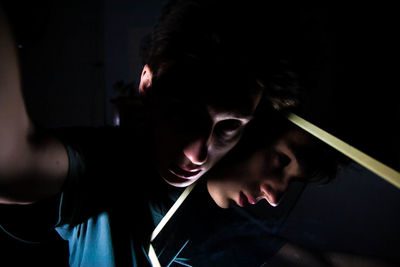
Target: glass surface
350	221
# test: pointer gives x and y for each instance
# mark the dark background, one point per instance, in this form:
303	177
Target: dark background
72	52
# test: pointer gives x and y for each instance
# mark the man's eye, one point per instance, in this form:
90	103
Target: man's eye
283	160
228	127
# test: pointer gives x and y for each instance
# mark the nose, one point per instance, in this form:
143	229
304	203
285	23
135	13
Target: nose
273	192
197	151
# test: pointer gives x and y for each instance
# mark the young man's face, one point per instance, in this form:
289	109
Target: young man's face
265	174
192	135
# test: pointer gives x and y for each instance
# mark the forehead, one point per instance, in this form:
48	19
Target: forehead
242	102
221	88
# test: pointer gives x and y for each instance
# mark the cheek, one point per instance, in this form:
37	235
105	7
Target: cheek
166	136
249	170
218	153
221	148
166	147
221	192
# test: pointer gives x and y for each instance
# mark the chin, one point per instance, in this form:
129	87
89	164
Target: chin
177	181
218	199
180	184
224	204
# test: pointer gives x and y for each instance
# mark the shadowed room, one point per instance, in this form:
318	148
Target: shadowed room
83	65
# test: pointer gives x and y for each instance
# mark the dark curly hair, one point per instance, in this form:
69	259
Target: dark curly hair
320	162
230	46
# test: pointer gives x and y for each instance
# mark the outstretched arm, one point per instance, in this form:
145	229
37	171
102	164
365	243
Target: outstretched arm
33	165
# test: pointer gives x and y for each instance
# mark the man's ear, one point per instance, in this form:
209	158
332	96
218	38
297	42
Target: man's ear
145	81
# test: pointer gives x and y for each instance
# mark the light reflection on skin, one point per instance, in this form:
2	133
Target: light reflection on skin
264	174
184	158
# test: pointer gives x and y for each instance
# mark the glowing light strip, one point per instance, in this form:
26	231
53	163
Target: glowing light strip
152	254
363	159
171	211
153	257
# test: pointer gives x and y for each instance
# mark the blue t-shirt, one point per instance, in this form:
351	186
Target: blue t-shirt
112	198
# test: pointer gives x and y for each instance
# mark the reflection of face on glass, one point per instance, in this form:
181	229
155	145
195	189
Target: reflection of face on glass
265	173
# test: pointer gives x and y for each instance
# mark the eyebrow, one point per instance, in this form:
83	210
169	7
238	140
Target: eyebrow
230	114
235	116
298	151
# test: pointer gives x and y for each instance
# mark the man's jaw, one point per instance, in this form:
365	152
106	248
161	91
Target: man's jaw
184	172
180	177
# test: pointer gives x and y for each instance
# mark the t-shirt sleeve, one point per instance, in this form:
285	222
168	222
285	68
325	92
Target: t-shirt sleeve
103	162
104	167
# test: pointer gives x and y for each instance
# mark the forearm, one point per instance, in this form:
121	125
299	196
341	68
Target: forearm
14	122
13	116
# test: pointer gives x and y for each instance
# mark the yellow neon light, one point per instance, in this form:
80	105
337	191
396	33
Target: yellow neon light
363	159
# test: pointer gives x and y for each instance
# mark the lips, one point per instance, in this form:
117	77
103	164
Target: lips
245	199
184	172
250	199
242	200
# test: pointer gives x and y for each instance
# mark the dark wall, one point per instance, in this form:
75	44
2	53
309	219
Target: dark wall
126	23
72	52
62	60
353	81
